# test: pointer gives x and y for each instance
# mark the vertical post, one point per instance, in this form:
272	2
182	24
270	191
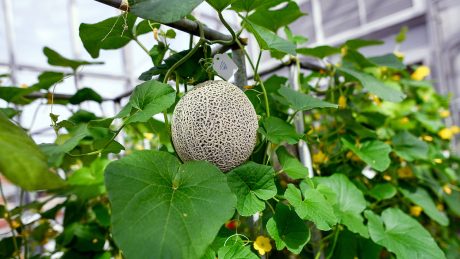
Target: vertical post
241	78
304	151
8	19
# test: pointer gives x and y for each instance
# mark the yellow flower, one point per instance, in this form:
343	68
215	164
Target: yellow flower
139	147
24	85
148	136
15	224
155	34
440	207
444	113
455	129
353	156
343	51
396	77
387	177
248	87
447	189
437	160
405	172
262	245
375	99
404	120
420	73
415	210
319	158
399	54
342	102
427	138
446	133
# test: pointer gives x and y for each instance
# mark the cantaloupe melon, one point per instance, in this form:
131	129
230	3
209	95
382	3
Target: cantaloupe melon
215	122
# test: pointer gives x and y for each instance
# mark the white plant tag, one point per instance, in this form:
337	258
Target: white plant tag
223	65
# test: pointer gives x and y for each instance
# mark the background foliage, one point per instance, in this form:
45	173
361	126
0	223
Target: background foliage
385	183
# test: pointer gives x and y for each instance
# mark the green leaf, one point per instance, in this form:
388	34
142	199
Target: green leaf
190	71
388	60
268	40
401	37
350	202
157	53
236	251
409	146
275	19
402	235
85	94
291	165
253	184
219	5
374	152
7	246
21	161
88	182
57	59
421	197
278	131
296	39
288	230
302	102
17	95
373	85
9	112
249	5
383	191
162	11
148	99
109	33
319	51
360	43
164	209
314	207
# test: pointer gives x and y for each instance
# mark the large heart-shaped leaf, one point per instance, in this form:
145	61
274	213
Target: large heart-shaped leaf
253	184
302	102
374	152
313	207
350	202
21	161
421	197
110	33
402	235
373	85
162	11
288	230
148	99
268	40
164	209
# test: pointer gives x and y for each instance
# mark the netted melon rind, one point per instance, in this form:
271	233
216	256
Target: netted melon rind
215	122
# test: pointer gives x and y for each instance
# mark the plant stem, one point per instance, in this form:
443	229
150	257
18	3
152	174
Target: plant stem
104	147
142	46
292	116
8	219
336	236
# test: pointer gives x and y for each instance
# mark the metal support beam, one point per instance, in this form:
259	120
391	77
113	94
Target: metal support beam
185	25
